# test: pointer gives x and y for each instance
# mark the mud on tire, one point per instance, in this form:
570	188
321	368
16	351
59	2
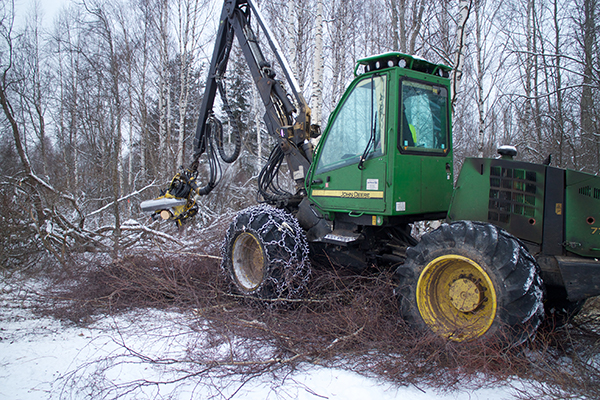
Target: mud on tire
471	280
265	254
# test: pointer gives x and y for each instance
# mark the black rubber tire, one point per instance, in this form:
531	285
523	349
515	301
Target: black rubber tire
516	309
265	254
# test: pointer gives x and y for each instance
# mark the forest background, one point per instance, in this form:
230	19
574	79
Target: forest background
100	103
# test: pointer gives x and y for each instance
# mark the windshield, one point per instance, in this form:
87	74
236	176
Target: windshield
358	128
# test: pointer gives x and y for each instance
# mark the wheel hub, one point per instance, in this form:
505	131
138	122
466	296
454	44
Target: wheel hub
456	298
248	261
465	295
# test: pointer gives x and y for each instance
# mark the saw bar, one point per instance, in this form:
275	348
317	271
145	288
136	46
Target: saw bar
161	204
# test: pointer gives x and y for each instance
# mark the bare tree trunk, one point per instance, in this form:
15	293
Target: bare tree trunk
65	111
393	7
129	69
480	67
38	92
586	104
6	107
536	83
416	25
317	83
10	116
141	100
464	9
74	115
188	18
402	21
164	93
446	24
118	162
291	33
8	112
340	14
528	115
558	87
116	118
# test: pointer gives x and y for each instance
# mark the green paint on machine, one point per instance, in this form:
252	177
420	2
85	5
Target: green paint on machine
388	146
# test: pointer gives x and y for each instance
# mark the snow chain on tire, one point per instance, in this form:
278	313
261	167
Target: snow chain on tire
265	254
470	280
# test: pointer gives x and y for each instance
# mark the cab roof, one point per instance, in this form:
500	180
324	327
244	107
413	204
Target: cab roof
394	59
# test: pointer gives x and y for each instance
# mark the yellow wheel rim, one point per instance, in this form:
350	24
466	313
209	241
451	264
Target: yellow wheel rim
456	298
248	261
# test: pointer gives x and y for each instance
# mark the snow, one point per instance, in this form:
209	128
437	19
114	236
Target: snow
44	358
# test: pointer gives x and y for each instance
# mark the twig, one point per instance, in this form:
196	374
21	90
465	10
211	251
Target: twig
189	253
277	300
143	228
343	338
121	199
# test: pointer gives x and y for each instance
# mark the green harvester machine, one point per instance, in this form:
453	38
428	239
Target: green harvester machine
519	240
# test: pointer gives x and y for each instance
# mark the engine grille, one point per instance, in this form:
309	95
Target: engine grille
590	192
512	191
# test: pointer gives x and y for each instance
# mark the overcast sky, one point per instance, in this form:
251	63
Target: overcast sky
49	8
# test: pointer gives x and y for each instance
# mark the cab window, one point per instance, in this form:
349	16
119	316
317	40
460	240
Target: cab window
358	128
424	117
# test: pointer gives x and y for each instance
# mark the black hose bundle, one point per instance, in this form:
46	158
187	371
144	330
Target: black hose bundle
268	181
235	129
214	168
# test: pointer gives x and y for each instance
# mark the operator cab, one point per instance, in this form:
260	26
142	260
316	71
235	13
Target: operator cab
387	152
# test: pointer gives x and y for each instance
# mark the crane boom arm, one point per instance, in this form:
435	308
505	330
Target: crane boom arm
288	122
287	119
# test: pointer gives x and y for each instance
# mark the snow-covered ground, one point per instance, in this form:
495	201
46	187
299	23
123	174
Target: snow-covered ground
43	358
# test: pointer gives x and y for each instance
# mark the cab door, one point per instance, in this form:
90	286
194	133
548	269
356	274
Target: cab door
423	182
349	173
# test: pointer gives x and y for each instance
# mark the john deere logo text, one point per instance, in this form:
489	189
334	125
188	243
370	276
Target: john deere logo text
349	194
356	195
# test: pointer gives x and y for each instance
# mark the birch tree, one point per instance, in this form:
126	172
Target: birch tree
164	91
406	19
34	85
588	43
106	33
340	38
559	119
188	14
7	83
291	32
486	78
68	42
316	100
464	10
142	88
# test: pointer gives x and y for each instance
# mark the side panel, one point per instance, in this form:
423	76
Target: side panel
422	184
506	193
471	196
582	222
349	189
